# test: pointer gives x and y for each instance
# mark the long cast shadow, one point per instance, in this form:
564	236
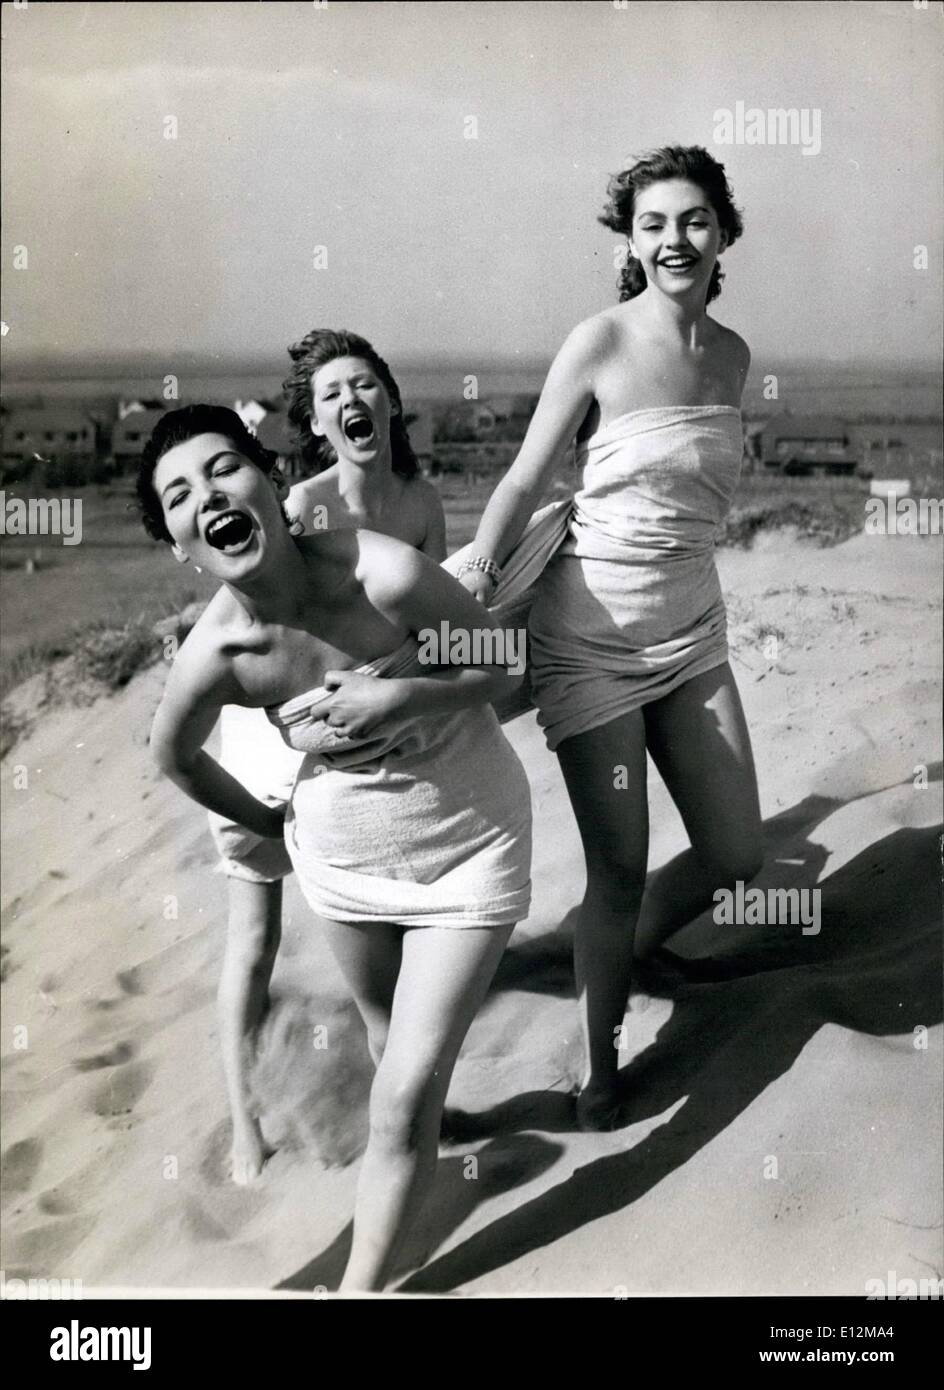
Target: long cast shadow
504	1163
544	964
874	968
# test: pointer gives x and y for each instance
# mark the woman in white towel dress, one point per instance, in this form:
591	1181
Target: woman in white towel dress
628	630
410	822
382	493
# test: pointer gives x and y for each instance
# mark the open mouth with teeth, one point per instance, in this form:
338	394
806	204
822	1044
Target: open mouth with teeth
359	429
228	532
678	262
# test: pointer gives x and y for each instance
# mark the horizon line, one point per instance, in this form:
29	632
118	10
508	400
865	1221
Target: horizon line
78	366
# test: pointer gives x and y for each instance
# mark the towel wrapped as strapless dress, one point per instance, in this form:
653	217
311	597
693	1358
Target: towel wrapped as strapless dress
253	752
630	605
430	826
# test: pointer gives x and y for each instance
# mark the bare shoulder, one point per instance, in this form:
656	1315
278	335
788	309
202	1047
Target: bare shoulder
308	494
375	552
732	345
386	567
592	338
577	366
426	495
422	489
204	661
308	488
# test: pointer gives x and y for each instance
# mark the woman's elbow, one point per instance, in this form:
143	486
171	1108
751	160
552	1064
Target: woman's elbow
167	757
162	758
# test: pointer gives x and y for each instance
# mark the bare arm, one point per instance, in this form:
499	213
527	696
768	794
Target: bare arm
415	593
197	688
567	396
434	542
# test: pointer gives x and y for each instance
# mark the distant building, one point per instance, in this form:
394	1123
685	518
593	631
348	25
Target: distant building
419	423
796	444
481	417
511	414
131	407
253	412
518	406
272	433
130	435
47	432
498	417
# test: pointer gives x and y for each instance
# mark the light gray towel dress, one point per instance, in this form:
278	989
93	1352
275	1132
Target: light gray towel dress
629	607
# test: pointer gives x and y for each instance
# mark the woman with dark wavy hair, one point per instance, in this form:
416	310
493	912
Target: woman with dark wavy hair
409	824
628	630
380	489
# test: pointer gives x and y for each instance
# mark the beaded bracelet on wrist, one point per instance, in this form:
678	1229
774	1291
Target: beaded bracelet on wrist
480	562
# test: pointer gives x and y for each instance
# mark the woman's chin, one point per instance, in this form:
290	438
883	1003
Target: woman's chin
235	563
365	454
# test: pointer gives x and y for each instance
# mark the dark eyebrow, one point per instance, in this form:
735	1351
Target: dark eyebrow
208	464
686	213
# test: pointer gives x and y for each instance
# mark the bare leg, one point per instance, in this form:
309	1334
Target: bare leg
605	772
253	932
368	956
444	976
699	741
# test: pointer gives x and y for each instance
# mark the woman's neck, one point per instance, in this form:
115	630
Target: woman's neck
367	494
683	321
280	591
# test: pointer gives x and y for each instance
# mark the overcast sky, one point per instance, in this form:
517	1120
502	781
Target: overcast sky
343	127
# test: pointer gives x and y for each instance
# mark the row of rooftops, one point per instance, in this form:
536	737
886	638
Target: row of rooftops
31	427
78	430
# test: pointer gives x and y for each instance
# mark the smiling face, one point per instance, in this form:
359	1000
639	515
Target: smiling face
676	236
351	409
218	506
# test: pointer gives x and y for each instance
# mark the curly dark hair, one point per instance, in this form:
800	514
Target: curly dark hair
690	162
176	427
320	346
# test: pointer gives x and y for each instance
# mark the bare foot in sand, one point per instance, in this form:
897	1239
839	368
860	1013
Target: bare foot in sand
598	1107
249	1154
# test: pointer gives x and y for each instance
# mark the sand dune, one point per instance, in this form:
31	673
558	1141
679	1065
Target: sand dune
115	1125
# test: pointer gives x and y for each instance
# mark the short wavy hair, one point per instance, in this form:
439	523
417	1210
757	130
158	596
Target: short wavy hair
315	350
690	162
176	427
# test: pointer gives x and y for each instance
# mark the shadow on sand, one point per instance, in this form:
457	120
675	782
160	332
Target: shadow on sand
875	968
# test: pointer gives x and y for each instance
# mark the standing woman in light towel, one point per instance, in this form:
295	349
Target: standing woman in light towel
628	630
410	821
383	492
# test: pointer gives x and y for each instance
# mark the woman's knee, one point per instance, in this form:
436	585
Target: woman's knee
616	884
403	1110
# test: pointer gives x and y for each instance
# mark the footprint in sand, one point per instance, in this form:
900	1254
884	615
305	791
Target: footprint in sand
103	1006
129	981
114	1057
19	1166
200	1224
82	1193
120	1092
42	1249
55	1203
